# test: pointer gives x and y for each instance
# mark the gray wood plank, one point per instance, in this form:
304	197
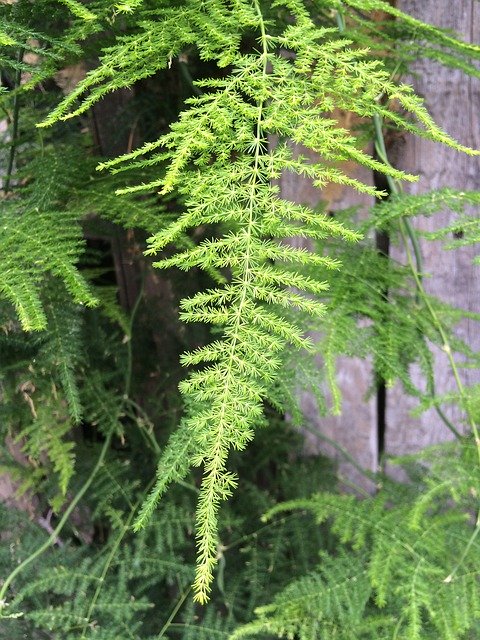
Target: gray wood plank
355	429
454	101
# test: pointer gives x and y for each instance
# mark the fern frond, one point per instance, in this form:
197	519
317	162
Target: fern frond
61	351
55	247
410	205
78	9
218	158
407	534
49	435
39	203
328	603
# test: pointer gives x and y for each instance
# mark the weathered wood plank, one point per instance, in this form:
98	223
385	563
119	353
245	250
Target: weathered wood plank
355	429
453	100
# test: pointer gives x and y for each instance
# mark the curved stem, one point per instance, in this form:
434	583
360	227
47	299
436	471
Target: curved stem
395	188
340	17
371	475
468	546
176	609
443	335
56	532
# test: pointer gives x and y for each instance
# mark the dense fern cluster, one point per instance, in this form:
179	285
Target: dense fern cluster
217	155
268	80
131	582
410	568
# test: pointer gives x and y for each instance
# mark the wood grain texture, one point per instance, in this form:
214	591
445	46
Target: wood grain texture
355	429
454	101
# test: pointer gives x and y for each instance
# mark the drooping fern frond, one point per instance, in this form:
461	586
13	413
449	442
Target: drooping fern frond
61	351
55	247
218	157
47	437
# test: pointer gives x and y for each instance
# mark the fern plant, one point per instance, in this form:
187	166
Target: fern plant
137	585
281	71
412	545
217	154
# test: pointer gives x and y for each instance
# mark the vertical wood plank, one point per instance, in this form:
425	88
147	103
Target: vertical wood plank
355	429
453	100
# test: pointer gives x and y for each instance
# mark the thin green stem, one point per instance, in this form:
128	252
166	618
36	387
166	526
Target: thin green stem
101	580
260	530
371	475
468	546
409	235
150	439
174	612
56	532
341	19
442	333
201	628
353	485
458	381
395	188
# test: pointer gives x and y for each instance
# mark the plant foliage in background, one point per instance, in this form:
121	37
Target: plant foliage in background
255	80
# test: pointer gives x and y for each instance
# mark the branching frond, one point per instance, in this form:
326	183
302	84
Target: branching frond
218	158
406	534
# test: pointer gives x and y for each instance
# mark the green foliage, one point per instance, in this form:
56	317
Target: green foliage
217	156
28	256
128	585
329	603
268	79
414	546
465	229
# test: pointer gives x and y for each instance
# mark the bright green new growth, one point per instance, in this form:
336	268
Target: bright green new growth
221	157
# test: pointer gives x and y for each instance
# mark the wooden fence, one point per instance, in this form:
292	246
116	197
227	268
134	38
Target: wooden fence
454	101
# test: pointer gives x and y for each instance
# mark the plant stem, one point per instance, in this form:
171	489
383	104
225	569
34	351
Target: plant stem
341	19
56	532
371	475
441	331
124	530
176	608
475	533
